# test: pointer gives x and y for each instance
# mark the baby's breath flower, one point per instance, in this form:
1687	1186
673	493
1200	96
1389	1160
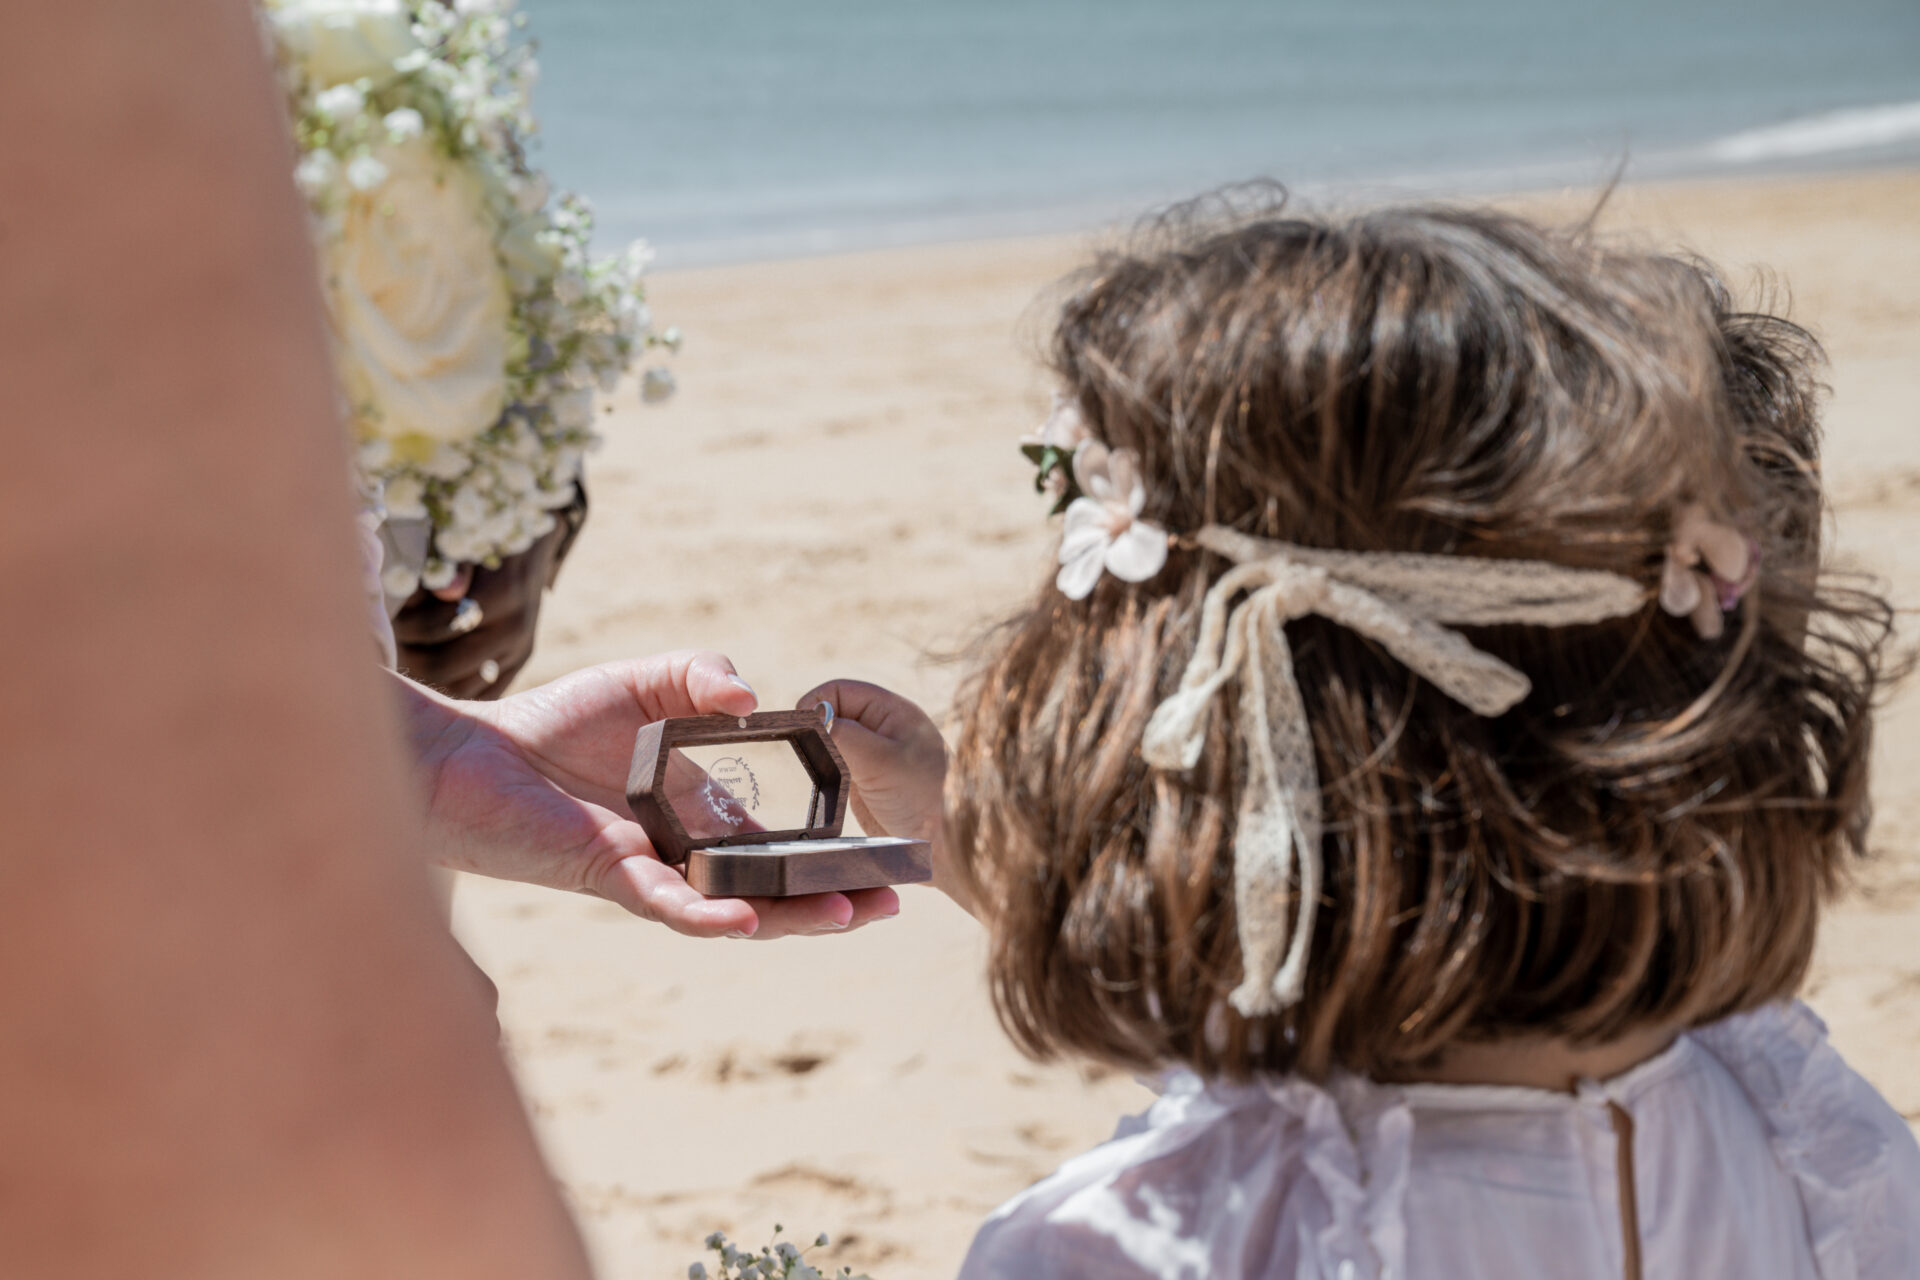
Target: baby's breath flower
404	124
316	173
406	498
656	384
574	410
364	173
398	580
373	454
437	575
448	461
341	102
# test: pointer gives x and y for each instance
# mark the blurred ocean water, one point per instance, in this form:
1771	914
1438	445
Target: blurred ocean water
733	129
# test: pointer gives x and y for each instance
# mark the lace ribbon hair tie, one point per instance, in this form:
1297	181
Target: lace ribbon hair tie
1407	604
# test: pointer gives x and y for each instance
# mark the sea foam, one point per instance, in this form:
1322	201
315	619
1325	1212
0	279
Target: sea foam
1830	131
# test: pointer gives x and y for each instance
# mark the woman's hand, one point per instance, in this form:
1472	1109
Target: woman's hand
533	788
898	761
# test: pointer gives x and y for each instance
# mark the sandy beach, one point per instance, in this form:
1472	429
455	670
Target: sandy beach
836	491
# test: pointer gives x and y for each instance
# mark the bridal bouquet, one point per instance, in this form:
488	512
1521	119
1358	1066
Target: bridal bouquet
471	323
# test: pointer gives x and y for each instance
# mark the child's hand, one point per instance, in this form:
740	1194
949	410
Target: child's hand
899	765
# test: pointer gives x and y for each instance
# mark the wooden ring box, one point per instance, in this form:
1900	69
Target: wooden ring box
815	858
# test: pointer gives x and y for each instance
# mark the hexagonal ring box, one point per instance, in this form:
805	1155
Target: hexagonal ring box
707	789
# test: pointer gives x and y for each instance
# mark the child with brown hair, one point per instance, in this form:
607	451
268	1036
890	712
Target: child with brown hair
1432	752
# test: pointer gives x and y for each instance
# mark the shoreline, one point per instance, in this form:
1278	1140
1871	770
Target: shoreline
836	491
1104	215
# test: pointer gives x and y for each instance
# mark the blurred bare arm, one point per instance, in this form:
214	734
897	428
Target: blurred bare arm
237	1043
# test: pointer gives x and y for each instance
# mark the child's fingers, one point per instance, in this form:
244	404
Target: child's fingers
881	710
867	753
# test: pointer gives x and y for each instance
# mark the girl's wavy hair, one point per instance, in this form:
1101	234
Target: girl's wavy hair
1644	841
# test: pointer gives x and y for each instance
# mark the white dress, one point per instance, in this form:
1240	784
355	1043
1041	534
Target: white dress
1756	1153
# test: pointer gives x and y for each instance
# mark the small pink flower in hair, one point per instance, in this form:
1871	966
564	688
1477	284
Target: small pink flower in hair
1710	566
1051	449
1064	428
1104	530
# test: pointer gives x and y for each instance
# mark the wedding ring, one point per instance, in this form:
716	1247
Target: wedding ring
468	616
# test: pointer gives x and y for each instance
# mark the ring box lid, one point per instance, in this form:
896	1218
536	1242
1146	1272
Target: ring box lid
805	731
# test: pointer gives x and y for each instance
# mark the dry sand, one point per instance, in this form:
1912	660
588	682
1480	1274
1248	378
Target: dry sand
835	491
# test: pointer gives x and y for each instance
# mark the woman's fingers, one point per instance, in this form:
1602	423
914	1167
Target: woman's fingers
654	891
692	682
820	913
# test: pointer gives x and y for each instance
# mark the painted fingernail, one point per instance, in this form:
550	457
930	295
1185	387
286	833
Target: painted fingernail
735	677
828	927
738	933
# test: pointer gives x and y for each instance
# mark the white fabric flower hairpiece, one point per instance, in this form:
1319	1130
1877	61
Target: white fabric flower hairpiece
1710	567
1104	531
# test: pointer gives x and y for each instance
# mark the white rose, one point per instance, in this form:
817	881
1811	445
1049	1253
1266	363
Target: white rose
336	41
419	303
